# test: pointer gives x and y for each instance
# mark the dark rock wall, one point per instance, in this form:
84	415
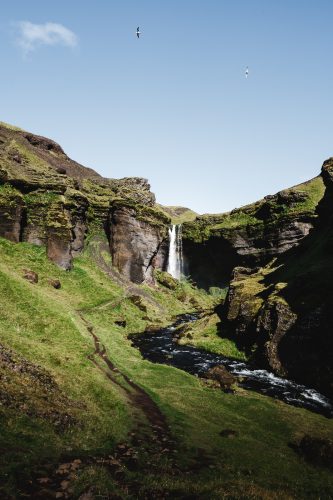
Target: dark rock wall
211	262
135	245
282	313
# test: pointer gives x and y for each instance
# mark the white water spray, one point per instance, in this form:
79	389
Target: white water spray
175	262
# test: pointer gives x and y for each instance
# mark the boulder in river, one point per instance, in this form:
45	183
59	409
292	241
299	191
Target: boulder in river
222	376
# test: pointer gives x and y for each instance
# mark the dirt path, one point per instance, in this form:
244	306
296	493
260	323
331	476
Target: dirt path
137	396
149	440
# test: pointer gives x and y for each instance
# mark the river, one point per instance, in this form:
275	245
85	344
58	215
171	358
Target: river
162	347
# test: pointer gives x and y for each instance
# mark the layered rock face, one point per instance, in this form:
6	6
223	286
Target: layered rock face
275	255
48	199
282	312
135	244
249	236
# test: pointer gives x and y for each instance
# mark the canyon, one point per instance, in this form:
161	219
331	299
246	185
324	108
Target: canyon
88	262
277	308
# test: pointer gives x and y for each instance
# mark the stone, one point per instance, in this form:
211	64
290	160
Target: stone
11	213
55	283
274	321
134	244
166	280
228	433
121	323
138	301
222	376
59	251
30	276
61	170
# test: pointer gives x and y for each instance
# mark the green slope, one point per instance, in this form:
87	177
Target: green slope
61	406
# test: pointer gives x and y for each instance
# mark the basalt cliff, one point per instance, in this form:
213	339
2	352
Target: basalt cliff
275	258
47	199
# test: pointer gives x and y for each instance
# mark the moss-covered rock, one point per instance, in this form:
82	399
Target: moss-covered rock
166	279
281	313
11	210
48	199
251	235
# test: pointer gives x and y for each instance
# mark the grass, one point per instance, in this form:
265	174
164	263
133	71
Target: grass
42	325
315	189
179	215
10	127
204	334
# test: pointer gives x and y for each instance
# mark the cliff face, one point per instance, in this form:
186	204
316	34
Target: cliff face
277	254
250	236
282	312
136	244
48	199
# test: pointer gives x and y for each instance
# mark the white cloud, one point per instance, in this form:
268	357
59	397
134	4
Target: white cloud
33	35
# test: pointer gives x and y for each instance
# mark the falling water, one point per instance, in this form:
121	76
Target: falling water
175	262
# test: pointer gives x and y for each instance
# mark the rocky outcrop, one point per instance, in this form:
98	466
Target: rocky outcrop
136	239
274	321
282	313
249	236
11	211
221	375
47	199
30	276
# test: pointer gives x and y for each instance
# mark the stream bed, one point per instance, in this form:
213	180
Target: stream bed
161	347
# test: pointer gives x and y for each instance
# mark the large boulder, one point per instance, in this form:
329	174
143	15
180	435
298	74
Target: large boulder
222	376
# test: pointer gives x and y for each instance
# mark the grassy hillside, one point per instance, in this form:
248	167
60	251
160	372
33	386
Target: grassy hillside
60	402
179	215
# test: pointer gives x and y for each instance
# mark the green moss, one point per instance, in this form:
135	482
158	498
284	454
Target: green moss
315	190
151	215
39	198
10	127
205	335
9	196
29	157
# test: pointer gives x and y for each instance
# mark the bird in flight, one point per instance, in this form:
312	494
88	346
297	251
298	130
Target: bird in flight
138	32
246	72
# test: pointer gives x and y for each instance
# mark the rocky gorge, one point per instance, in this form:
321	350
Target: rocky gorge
274	257
83	279
278	304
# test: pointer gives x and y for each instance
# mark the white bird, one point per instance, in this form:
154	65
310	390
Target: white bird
246	72
138	32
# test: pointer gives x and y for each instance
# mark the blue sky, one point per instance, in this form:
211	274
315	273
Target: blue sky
175	106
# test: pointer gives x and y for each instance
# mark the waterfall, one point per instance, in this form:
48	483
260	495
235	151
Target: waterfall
175	261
